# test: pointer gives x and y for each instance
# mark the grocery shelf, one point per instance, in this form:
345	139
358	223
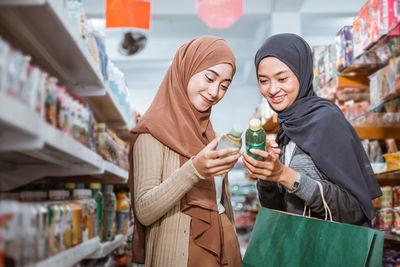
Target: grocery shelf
44	30
107	247
352	81
72	256
31	149
378	132
392	237
107	109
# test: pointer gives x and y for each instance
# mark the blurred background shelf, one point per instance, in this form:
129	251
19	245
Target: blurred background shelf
43	29
72	256
378	132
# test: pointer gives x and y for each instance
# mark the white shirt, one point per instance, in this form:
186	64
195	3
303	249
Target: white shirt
218	180
289	149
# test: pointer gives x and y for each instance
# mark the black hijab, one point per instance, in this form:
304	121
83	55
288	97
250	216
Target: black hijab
318	126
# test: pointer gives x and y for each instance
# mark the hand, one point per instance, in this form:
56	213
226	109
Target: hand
273	147
208	163
271	169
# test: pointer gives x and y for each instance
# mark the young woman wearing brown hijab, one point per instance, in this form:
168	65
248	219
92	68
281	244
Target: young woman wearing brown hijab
183	215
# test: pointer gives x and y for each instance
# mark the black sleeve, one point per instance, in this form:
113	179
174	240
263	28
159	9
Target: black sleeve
270	194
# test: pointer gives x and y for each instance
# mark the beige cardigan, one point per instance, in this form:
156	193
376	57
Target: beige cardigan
159	186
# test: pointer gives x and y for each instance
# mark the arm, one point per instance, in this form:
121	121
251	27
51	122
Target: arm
153	197
343	205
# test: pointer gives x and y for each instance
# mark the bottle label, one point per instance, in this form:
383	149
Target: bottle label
255	146
122	220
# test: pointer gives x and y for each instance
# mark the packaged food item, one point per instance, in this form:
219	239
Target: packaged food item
43	230
14	65
70	188
109	213
97	195
396	220
385	219
122	214
66	222
30	223
92	219
344	48
392	161
51	101
386	200
255	138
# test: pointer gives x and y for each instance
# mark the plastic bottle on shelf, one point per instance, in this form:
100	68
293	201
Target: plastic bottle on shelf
109	213
11	232
98	197
92	220
55	241
122	214
80	197
70	188
255	138
66	221
42	233
29	226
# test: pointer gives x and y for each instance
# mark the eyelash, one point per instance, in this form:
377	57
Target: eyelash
208	78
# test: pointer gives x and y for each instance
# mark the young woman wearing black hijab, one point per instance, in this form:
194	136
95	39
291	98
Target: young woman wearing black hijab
316	142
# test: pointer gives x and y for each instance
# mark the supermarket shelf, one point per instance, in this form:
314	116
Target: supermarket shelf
58	49
107	247
107	109
392	237
31	149
378	132
72	256
352	81
388	176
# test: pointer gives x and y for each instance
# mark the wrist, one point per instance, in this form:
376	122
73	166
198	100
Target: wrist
287	177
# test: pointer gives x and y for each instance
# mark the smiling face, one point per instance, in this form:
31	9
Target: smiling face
208	87
278	84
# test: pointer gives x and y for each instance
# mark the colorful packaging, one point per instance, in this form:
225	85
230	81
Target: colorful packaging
80	197
92	219
66	223
98	197
388	18
344	48
386	200
43	230
396	220
385	219
76	223
55	240
14	65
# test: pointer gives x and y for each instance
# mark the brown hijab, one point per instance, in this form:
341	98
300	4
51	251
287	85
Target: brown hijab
175	122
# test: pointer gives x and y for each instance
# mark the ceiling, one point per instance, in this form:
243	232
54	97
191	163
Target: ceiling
175	22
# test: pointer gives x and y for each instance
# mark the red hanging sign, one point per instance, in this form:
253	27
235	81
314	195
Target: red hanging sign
219	14
128	14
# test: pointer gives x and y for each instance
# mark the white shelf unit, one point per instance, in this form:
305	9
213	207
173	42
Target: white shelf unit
31	149
43	29
72	256
113	115
107	247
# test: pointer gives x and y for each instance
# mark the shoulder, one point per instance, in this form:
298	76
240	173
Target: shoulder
149	141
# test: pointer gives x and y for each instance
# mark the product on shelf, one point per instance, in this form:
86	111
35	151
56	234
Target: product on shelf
11	233
255	138
97	195
344	48
109	213
122	210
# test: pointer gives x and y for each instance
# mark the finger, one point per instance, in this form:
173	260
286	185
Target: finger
273	144
213	144
259	152
276	151
224	161
221	153
253	161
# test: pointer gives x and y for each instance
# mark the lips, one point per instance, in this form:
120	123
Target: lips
205	99
277	99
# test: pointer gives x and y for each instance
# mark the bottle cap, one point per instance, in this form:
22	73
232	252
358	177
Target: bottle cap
79	186
237	130
60	186
255	124
94	185
108	187
70	185
121	196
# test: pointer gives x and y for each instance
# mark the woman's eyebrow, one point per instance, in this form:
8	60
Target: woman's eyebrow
217	74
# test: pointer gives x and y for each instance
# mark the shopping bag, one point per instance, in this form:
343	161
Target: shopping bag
283	239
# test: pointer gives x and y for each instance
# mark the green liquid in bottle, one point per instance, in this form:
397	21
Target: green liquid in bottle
255	138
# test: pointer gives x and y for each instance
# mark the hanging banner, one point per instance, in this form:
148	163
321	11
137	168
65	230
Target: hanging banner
128	14
219	14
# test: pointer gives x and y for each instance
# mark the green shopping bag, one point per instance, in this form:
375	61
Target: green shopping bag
282	239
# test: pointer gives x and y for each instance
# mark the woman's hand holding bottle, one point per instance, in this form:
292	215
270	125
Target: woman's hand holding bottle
209	162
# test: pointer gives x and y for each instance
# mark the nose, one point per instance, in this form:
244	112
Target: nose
274	88
213	90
